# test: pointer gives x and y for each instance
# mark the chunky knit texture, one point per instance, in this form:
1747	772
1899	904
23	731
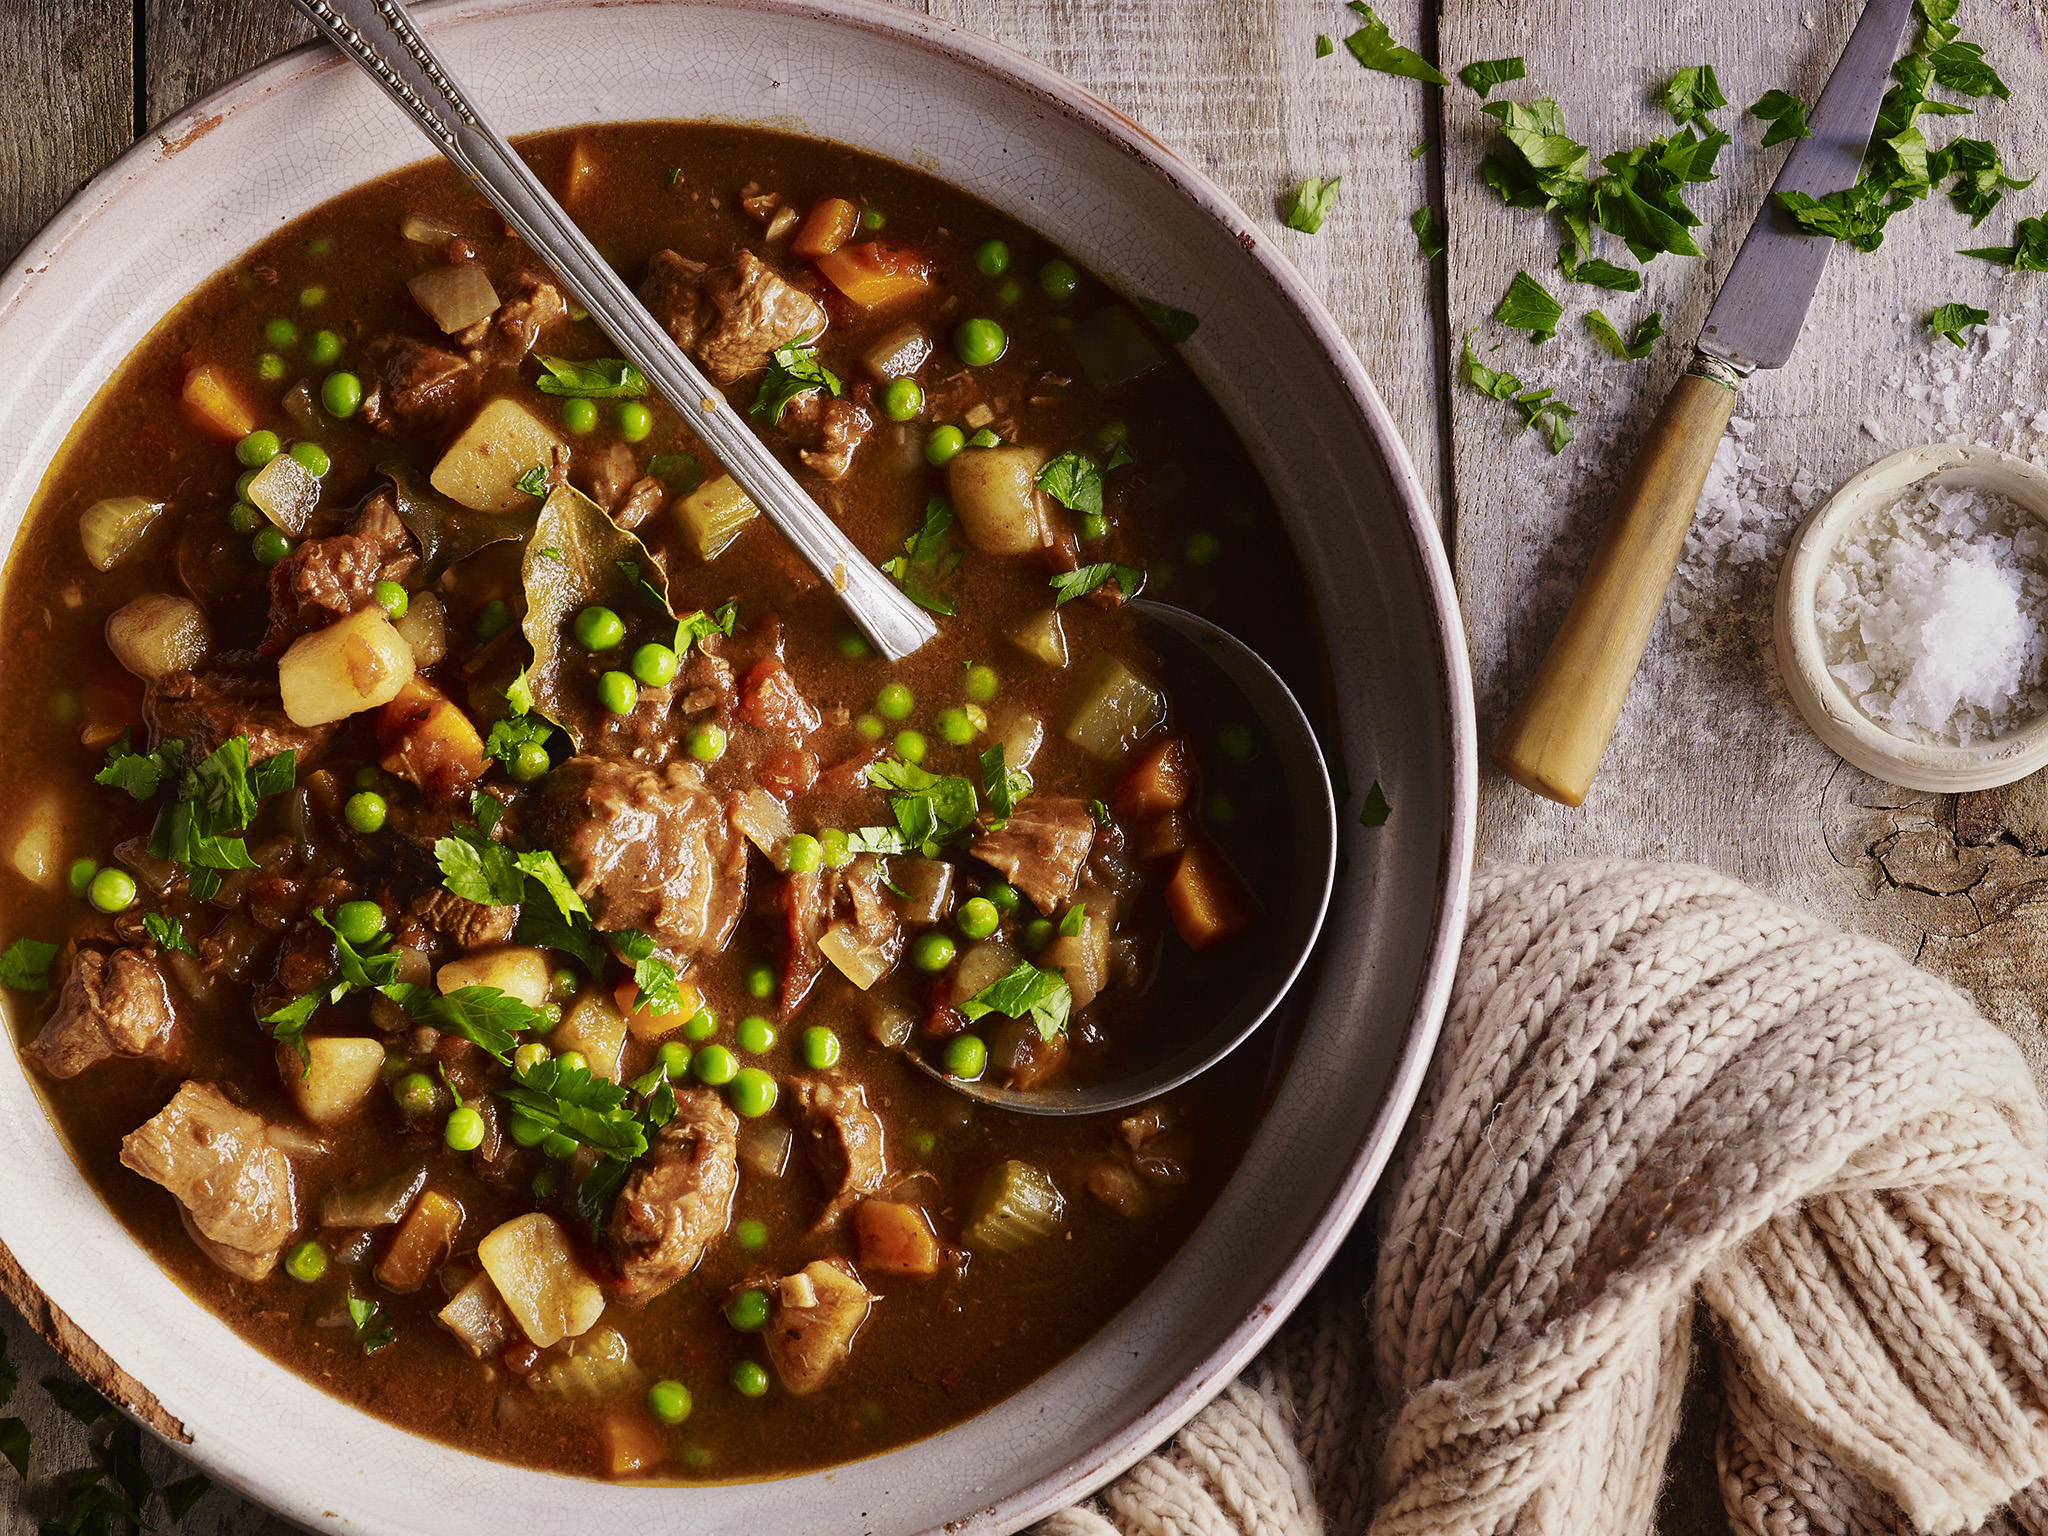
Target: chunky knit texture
1657	1092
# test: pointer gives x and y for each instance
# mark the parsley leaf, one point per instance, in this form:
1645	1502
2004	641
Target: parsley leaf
373	1330
592	1197
1638	347
487	1018
179	1497
288	1024
534	482
1693	93
794	370
1602	274
1639	201
365	970
1074	481
877	840
929	808
1544	166
1981	180
1960	66
699	625
479	870
1786	115
1003	787
1128	579
14	1445
1484	379
216	797
1026	991
541	924
1324	47
167	932
139	773
1549	417
926	560
1424	222
1176	325
79	1400
653	976
649	594
545	870
1951	320
1310	203
519	727
678	471
600	378
1856	215
1528	306
2028	251
1374	47
1483	75
1375	811
562	1096
25	966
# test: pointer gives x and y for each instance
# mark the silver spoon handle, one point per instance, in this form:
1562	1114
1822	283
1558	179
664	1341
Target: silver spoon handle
380	36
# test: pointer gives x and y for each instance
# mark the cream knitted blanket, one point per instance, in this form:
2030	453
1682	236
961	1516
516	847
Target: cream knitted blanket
1658	1092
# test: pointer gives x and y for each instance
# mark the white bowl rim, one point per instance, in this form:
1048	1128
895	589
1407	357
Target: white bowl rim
1161	1418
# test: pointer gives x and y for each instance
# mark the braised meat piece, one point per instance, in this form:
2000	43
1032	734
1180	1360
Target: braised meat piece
677	1199
844	1139
648	848
827	431
674	294
810	1333
505	337
802	901
114	1003
608	474
412	387
769	699
320	581
641	502
758	311
215	1157
231	698
705	685
398	553
464	923
1041	849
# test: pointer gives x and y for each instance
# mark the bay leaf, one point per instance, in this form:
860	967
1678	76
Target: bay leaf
448	532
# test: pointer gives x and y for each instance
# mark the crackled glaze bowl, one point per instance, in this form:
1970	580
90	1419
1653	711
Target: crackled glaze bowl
209	183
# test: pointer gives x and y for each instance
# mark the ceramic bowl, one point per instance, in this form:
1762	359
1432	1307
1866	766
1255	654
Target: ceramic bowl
1821	697
306	127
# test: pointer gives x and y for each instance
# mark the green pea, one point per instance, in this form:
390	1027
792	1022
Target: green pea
673	1058
760	980
982	682
1005	897
853	645
78	878
871	218
924	1143
552	1012
392	598
312	458
359	922
1038	933
1202	548
714	1065
803	855
700	1026
978	917
312	296
529	761
753	1092
244	518
1093	525
748	1311
932	952
270	367
755	1034
395	1066
617	692
573	1061
871	726
980	342
321	246
258	448
903	400
562	984
528	1133
558	1146
894	702
341	394
322	348
910	746
1239	741
750	1378
598	628
493	619
579	415
1057	279
464	1131
1221	810
992	258
984	439
752	1235
111	890
955	729
654	665
415	1093
529	1055
635	421
966	1057
1009	292
838	853
941	443
280	332
669	1401
306	1262
706	743
365	812
820	1047
242	483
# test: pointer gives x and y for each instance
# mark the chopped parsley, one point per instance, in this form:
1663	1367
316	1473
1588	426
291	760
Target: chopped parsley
929	809
1599	274
1482	75
659	990
518	728
1951	320
927	560
168	932
1427	235
1324	47
1543	166
1549	417
1693	93
288	1024
487	1018
794	370
562	1096
600	378
1003	786
1074	481
1786	115
1981	181
678	471
373	1330
25	966
1374	47
1497	385
141	774
650	595
1176	325
1028	991
534	482
216	799
1637	347
2028	251
1310	203
1528	306
698	625
1375	811
1129	580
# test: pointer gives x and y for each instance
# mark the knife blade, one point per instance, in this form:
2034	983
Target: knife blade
1757	317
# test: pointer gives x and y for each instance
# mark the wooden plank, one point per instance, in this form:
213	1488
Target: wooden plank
67	69
198	45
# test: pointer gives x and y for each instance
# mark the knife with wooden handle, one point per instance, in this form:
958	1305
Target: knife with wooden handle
1554	740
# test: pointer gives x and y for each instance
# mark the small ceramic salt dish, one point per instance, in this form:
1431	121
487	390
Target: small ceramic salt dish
2019	747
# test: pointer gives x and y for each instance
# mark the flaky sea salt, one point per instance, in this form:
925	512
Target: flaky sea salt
1930	613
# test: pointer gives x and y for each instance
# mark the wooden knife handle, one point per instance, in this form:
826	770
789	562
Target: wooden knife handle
1554	740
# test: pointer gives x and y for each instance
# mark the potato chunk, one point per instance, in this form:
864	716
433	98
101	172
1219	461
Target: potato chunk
340	1073
354	665
159	633
597	1029
541	1281
517	970
1114	710
995	497
896	1239
501	443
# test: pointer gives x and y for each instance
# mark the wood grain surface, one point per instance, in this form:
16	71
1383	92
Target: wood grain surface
1709	762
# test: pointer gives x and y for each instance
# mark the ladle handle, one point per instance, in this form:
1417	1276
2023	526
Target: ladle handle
380	36
1554	740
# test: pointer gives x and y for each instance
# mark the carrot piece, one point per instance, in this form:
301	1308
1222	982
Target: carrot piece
876	273
896	1239
631	1445
1162	780
1165	834
425	738
829	226
214	407
1205	898
423	1239
645	1023
579	174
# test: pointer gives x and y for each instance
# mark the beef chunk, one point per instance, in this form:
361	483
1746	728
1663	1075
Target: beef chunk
609	474
533	304
1041	849
318	582
398	553
413	387
113	1004
233	698
810	1333
650	849
769	699
827	431
844	1139
802	902
213	1155
465	924
641	502
677	1199
674	294
757	312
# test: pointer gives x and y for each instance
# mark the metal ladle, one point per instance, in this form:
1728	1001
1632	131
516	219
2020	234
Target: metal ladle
380	36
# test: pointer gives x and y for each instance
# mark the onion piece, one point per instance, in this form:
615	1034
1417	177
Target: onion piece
455	297
426	229
111	528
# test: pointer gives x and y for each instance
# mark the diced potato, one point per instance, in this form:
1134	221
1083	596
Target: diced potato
861	963
1207	902
159	633
298	404
764	821
477	1318
830	225
1042	635
983	964
424	629
422	1241
1162	780
285	491
599	1365
340	1074
645	1023
455	297
927	887
482	468
1017	1204
1021	734
817	1312
1114	709
996	498
597	1029
517	970
214	407
37	840
355	664
543	1284
715	514
1164	835
112	527
424	737
899	354
632	1446
896	1239
876	273
1083	959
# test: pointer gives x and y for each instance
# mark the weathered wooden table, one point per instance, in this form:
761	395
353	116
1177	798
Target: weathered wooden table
1710	763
